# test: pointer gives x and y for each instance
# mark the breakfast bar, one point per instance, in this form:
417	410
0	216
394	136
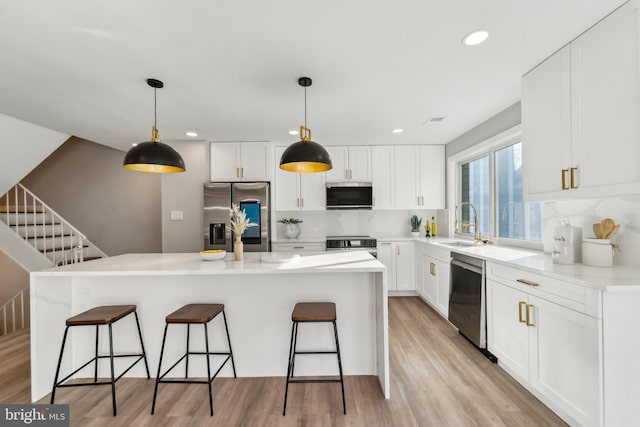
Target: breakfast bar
258	292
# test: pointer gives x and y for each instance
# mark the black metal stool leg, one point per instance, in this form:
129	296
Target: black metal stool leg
144	353
186	368
95	371
55	380
295	346
209	380
113	379
335	330
289	370
226	328
155	392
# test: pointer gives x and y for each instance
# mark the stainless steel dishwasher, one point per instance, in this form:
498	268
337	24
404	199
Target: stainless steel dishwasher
467	301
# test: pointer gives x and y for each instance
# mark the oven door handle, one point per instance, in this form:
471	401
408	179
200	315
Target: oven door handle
455	262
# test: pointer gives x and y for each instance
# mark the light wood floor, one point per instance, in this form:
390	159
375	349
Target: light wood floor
437	377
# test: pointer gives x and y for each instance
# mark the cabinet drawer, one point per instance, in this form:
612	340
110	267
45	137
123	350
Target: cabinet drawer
298	247
579	298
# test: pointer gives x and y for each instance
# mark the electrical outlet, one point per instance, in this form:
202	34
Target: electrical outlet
177	216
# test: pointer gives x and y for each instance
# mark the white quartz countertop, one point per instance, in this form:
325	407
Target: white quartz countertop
192	263
602	278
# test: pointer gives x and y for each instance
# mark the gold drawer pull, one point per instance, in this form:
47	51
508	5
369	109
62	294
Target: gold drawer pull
520	304
529	317
298	247
573	178
526	282
432	268
564	179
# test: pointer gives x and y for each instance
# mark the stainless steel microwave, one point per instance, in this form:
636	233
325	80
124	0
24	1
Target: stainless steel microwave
349	195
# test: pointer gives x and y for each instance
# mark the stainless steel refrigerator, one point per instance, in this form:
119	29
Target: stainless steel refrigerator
254	198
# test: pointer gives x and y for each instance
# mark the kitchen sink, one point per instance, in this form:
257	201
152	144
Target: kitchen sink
456	243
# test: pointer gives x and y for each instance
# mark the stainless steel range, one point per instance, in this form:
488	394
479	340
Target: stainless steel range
352	243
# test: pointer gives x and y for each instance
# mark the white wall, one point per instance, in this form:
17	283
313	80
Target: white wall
24	146
184	192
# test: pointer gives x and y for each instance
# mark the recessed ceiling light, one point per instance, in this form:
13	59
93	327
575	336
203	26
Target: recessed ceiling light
475	37
191	133
398	130
293	132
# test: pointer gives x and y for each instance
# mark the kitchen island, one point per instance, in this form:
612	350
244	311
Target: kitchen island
259	294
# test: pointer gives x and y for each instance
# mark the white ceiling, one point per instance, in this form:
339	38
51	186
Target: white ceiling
230	68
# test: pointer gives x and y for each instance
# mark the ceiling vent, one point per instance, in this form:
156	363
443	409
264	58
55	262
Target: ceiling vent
434	120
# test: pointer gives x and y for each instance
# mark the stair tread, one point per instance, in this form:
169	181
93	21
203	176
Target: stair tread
63	248
20	209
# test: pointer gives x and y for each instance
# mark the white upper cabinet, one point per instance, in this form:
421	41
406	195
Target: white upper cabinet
581	114
350	164
298	191
406	177
246	161
419	177
546	120
605	89
382	166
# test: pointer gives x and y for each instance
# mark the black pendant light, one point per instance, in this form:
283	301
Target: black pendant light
305	155
154	156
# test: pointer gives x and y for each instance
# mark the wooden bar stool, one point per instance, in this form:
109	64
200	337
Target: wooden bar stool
103	315
304	312
195	314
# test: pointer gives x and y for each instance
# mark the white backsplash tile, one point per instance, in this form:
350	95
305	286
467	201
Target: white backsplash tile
378	224
584	213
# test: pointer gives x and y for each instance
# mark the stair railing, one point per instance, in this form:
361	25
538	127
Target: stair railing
21	202
11	306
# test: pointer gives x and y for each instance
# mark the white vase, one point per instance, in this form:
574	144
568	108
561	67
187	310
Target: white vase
415	233
291	231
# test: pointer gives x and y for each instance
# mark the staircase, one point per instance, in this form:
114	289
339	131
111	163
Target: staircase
50	236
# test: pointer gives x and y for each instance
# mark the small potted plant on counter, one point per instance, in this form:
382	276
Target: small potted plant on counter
291	229
415	225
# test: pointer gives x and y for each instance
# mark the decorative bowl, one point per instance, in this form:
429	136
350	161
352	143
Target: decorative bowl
213	255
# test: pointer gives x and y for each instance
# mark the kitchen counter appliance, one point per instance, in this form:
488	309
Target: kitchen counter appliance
467	300
349	195
253	197
352	243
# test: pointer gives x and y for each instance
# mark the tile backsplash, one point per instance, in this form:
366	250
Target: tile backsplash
378	224
584	213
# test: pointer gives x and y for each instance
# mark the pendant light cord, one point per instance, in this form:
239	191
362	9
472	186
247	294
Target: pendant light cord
305	106
155	108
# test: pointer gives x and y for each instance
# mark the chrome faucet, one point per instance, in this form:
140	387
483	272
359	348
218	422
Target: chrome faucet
476	236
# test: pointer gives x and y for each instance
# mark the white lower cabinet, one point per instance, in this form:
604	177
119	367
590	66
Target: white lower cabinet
433	283
398	258
542	333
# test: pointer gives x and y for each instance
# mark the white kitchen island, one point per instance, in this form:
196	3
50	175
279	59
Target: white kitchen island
258	296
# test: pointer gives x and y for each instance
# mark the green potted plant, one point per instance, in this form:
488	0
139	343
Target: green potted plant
415	225
291	229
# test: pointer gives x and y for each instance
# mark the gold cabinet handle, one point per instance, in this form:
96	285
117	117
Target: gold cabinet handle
432	268
398	249
526	282
374	201
298	247
572	178
385	243
520	305
346	174
564	179
302	202
242	171
418	200
529	323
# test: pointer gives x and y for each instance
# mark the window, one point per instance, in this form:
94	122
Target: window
490	178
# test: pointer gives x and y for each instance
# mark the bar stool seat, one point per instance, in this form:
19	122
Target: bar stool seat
100	316
188	315
304	312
